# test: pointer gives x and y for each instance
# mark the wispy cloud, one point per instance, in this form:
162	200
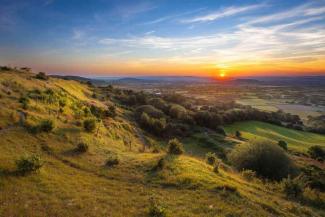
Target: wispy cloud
285	40
172	17
226	12
130	10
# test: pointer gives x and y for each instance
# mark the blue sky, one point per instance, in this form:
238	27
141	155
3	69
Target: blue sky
163	37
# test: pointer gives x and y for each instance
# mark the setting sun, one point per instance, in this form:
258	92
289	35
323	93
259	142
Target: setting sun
222	75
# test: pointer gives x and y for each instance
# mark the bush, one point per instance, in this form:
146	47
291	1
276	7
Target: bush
293	188
29	164
89	125
82	147
161	164
150	110
216	168
283	145
112	160
267	160
42	76
317	152
248	174
153	125
111	111
24	101
211	158
175	147
156	209
46	126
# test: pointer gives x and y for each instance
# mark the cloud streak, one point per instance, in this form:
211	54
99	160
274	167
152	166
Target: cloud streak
287	40
230	11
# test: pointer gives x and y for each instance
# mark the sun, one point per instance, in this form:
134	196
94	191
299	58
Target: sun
222	75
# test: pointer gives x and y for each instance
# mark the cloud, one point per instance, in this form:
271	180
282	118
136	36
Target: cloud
171	17
126	11
298	39
229	11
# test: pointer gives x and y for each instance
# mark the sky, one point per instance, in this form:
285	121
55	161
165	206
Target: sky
164	37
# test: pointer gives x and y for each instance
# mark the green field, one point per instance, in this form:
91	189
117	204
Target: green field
297	140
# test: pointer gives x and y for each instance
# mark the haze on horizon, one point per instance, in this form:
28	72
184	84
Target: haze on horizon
198	38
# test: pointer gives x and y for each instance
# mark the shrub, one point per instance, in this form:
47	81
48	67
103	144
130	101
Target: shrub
46	126
317	152
283	145
248	174
89	125
161	164
211	158
154	125
24	101
112	160
42	76
111	111
293	188
177	111
216	168
267	160
156	209
175	147
150	110
238	134
29	164
82	147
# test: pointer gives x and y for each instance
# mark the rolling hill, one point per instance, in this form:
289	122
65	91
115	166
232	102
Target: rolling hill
72	183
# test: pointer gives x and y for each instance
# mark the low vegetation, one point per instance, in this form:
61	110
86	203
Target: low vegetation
108	150
267	160
28	164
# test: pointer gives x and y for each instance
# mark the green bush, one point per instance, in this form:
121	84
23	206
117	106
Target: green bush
24	102
293	188
89	125
46	126
161	164
82	147
29	164
150	110
317	152
153	125
267	160
211	158
112	160
156	209
283	145
175	147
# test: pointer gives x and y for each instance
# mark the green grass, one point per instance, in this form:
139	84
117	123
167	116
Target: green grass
79	184
297	140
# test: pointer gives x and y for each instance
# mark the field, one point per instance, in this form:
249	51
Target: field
297	140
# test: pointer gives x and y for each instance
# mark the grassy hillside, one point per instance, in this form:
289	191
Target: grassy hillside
297	140
81	184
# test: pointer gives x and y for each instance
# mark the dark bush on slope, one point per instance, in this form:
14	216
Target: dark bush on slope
267	160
